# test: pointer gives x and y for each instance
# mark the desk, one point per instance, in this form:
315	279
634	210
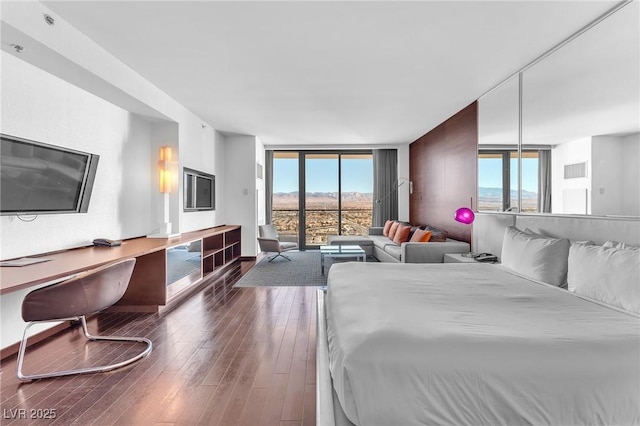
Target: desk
147	288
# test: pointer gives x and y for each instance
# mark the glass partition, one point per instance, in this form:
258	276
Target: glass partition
184	265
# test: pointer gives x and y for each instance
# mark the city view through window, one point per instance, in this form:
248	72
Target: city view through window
338	195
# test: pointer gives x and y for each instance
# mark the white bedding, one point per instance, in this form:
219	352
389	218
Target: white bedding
473	344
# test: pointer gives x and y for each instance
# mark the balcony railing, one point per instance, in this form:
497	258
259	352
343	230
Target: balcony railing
320	223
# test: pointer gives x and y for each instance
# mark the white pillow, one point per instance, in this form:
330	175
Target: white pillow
606	274
537	234
535	256
618	245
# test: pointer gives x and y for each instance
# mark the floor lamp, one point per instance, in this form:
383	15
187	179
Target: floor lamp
394	187
166	185
465	215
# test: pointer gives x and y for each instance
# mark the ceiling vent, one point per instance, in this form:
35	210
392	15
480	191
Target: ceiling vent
574	171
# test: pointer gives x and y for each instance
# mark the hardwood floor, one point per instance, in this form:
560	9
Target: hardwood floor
225	356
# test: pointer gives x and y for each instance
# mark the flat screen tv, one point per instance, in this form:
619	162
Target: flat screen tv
38	178
199	190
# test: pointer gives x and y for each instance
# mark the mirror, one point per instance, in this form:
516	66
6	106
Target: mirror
498	129
184	265
580	143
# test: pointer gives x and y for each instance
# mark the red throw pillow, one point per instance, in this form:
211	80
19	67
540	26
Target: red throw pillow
387	227
402	233
420	236
393	229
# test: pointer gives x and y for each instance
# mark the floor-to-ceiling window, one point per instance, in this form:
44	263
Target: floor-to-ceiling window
337	194
286	200
357	194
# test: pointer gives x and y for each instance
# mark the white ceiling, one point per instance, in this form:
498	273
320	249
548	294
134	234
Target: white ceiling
327	72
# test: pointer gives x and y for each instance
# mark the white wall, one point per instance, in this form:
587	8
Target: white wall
631	174
39	106
261	214
606	175
202	148
613	176
568	196
240	198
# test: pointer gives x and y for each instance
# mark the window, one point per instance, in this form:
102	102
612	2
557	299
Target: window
498	180
337	194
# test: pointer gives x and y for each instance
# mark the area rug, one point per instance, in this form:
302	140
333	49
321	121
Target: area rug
302	270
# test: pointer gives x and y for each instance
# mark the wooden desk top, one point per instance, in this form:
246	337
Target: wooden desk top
75	261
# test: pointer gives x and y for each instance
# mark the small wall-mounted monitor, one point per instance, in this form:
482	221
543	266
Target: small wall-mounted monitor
199	190
38	178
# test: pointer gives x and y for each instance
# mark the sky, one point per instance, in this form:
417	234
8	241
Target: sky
490	173
322	175
357	175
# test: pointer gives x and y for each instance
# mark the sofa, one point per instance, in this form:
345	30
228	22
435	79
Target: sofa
386	250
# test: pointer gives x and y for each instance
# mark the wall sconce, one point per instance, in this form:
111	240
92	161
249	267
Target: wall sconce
397	184
166	178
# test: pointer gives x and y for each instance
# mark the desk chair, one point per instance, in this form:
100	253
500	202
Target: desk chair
270	242
73	299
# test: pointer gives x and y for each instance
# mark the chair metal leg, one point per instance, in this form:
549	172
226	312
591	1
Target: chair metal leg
279	254
97	369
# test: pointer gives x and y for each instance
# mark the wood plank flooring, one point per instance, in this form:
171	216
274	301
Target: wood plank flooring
225	356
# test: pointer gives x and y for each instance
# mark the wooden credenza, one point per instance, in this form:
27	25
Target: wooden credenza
147	290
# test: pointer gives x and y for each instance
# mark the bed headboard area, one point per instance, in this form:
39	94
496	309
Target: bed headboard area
488	229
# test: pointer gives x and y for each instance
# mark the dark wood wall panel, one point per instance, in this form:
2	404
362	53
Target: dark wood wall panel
442	166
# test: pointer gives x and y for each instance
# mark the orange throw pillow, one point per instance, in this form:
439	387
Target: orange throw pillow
387	227
420	236
393	229
402	233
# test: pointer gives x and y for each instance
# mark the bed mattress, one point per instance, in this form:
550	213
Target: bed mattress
472	344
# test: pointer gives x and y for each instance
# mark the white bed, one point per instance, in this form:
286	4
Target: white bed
472	344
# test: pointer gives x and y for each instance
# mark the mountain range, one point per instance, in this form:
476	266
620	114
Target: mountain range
483	192
350	196
496	193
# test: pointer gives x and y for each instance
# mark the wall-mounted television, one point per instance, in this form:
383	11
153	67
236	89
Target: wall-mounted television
199	190
38	178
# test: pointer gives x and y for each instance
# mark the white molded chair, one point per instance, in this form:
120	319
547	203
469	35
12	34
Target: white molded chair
271	242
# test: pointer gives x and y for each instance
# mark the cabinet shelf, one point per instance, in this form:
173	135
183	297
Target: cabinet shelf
220	249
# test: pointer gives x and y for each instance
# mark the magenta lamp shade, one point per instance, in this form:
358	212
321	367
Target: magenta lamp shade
464	215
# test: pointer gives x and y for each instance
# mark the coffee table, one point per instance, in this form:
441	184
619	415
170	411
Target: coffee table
341	251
